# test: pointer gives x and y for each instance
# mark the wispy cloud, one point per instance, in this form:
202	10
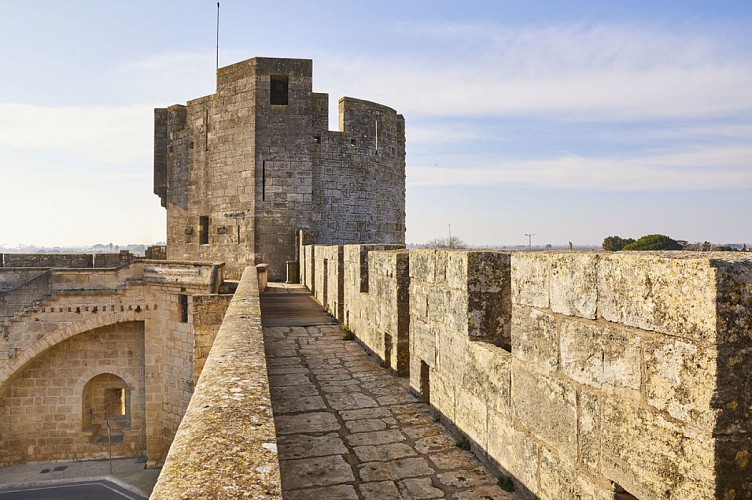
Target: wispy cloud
711	168
603	72
111	135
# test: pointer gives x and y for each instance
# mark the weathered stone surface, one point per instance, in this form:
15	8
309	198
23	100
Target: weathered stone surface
589	430
547	407
600	353
574	284
394	470
419	489
231	404
442	396
470	415
652	457
530	280
680	379
375	438
487	374
659	292
559	480
317	471
307	422
340	492
380	490
512	449
535	337
304	446
383	452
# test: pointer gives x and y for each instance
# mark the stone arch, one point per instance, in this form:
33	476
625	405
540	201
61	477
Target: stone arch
39	347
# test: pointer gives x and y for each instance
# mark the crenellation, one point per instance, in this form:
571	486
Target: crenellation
262	159
625	369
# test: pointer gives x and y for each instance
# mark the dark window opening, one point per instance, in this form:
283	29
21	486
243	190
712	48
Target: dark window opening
317	139
203	229
183	310
425	382
263	180
279	90
352	142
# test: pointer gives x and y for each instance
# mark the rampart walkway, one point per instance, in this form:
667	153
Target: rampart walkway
347	428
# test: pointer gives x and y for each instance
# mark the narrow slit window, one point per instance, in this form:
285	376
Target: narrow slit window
183	308
279	90
203	229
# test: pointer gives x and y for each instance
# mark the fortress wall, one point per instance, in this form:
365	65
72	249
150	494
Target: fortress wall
208	312
359	177
41	416
83	300
329	279
82	260
375	305
624	368
229	418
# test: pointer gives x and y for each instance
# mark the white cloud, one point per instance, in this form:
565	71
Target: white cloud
711	168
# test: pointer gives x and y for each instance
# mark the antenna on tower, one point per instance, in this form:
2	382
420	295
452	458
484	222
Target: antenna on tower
217	67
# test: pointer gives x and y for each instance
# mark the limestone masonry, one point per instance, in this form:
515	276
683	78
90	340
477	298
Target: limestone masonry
580	375
242	170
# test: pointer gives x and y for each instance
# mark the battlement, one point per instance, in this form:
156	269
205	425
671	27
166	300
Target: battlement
242	170
574	372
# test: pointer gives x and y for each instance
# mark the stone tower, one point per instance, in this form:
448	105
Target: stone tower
241	171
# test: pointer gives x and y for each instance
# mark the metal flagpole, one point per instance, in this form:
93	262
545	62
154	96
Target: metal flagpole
217	66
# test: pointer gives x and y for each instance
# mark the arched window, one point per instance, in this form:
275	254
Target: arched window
105	396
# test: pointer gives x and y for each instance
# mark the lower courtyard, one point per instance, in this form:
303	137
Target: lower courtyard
346	426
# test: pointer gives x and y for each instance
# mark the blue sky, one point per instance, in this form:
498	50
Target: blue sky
570	120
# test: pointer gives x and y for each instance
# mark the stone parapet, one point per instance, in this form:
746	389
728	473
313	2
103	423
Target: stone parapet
226	446
580	374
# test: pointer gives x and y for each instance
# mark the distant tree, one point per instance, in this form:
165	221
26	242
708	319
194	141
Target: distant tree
450	242
615	243
654	242
724	248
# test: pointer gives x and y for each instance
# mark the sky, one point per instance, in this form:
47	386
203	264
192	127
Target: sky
570	120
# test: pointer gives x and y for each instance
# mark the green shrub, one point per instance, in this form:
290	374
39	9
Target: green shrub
654	242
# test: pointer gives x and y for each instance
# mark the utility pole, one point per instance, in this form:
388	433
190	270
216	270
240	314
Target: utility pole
530	240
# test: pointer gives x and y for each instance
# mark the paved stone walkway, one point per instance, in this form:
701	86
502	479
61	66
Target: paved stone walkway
348	429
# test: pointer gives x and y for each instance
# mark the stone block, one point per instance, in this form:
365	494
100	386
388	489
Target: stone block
652	457
680	379
589	430
470	416
513	450
423	343
487	375
574	284
733	466
658	292
442	395
547	407
734	299
560	480
598	353
535	337
530	279
423	265
456	270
